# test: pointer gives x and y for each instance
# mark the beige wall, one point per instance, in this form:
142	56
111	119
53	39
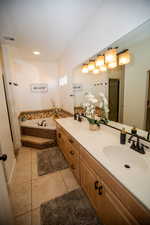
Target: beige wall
136	87
25	72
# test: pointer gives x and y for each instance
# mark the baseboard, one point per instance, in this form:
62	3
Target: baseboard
12	171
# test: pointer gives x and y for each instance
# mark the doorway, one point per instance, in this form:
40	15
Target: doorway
148	105
113	96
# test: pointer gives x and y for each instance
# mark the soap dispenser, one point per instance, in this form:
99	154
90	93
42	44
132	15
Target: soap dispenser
75	115
123	136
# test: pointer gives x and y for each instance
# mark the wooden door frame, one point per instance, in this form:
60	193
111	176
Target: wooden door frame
118	95
146	98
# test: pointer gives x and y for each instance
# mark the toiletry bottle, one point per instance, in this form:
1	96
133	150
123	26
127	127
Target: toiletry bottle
134	130
123	136
75	116
79	118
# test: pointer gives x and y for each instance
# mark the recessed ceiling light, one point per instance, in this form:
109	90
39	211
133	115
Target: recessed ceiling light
36	53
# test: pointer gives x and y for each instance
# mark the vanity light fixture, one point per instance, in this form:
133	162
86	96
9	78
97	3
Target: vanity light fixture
110	55
36	52
84	68
99	61
109	60
96	70
91	65
124	57
103	68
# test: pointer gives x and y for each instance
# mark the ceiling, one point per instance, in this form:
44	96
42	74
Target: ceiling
45	25
134	37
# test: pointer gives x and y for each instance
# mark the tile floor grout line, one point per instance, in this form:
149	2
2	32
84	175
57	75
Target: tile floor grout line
64	181
22	214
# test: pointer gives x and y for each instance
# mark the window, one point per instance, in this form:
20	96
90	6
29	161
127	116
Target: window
63	81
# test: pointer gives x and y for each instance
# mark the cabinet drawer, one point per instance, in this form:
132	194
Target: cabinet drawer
73	159
68	138
75	170
71	153
72	142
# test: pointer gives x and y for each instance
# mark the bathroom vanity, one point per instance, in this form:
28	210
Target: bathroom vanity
115	178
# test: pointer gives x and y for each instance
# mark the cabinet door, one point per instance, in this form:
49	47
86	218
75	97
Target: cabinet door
90	183
61	141
73	159
59	138
112	211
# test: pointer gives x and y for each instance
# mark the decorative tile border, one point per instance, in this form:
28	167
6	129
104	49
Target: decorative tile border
55	112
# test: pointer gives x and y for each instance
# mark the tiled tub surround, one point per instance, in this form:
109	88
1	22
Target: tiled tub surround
36	136
136	182
39	114
49	123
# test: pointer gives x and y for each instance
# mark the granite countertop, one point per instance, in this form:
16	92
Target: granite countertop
136	181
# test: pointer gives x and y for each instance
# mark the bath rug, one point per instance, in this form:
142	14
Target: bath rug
50	161
72	208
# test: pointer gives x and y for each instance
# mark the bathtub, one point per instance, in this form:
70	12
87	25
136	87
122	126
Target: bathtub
48	124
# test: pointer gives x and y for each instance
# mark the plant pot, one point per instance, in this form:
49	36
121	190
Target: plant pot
93	127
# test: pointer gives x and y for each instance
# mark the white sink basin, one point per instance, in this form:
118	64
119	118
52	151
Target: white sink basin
125	157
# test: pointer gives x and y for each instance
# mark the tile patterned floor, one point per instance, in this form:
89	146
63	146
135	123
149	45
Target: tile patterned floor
28	190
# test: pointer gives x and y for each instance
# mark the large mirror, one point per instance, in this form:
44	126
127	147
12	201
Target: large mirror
126	87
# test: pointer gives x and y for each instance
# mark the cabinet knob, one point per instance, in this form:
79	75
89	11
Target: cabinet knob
15	84
71	141
96	185
59	135
72	167
72	152
100	190
3	157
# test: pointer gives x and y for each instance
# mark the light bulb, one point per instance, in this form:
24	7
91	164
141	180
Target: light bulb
96	70
91	66
36	53
112	65
103	68
124	58
85	68
110	55
99	61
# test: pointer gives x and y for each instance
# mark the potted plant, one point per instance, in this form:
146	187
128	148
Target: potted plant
90	106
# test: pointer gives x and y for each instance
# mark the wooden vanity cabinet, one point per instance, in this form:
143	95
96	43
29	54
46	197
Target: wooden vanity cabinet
109	209
114	204
70	150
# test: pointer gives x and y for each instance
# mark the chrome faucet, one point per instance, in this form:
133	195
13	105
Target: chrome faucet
42	123
136	145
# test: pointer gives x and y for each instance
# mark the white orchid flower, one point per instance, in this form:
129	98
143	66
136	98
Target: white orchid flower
93	100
